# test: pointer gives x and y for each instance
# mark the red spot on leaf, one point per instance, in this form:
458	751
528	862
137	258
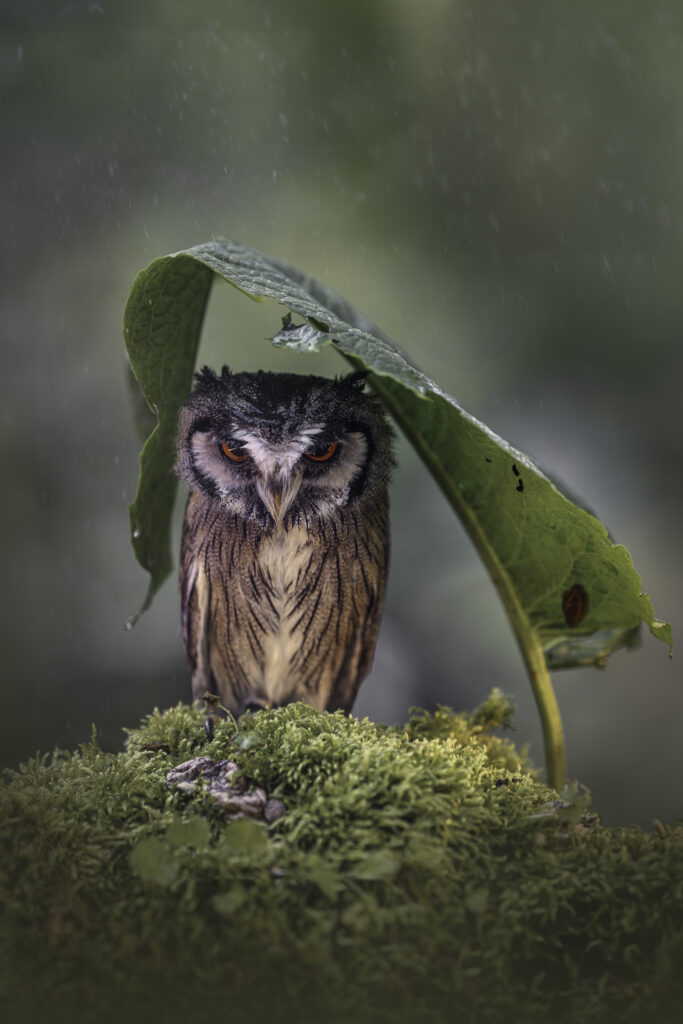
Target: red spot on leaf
575	604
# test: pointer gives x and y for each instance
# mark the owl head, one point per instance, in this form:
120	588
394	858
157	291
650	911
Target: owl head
283	447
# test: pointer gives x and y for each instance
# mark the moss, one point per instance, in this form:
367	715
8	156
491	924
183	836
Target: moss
421	873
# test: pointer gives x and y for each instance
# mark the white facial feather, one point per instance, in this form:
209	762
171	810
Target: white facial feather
272	459
210	462
280	468
342	471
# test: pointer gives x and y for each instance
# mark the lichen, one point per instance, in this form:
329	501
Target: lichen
418	873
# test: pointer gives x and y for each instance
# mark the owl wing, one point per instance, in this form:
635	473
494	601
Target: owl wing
215	611
195	603
367	574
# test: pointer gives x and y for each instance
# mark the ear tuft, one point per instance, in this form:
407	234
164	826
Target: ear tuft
356	379
205	376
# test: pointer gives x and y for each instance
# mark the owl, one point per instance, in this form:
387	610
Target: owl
285	540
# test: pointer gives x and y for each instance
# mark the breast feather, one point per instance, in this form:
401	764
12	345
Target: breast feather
284	560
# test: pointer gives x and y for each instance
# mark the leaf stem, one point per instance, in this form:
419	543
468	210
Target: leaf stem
544	695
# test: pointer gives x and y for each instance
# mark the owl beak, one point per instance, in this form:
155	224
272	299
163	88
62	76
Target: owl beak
278	488
276	491
277	501
277	495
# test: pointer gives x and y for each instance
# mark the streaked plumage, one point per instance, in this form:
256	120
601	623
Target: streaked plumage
285	539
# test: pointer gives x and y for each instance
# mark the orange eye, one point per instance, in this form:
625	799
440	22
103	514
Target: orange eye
322	454
234	451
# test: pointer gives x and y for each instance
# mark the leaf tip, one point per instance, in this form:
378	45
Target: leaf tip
662	631
131	621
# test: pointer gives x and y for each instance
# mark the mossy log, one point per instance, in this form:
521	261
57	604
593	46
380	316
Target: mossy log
420	873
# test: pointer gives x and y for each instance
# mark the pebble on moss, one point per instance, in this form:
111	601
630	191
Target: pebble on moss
226	788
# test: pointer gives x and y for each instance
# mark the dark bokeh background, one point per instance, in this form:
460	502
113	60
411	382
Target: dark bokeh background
499	186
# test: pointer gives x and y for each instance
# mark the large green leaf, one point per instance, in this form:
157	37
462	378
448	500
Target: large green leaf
162	324
536	543
572	596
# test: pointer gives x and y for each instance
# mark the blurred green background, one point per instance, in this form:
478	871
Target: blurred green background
499	186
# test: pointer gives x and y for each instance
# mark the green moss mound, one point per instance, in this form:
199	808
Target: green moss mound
419	874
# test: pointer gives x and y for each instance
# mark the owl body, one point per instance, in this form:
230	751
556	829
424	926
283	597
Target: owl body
285	540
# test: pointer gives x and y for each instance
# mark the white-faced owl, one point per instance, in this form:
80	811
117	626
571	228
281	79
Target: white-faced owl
285	540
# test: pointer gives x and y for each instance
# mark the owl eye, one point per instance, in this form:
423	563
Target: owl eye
323	453
234	450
